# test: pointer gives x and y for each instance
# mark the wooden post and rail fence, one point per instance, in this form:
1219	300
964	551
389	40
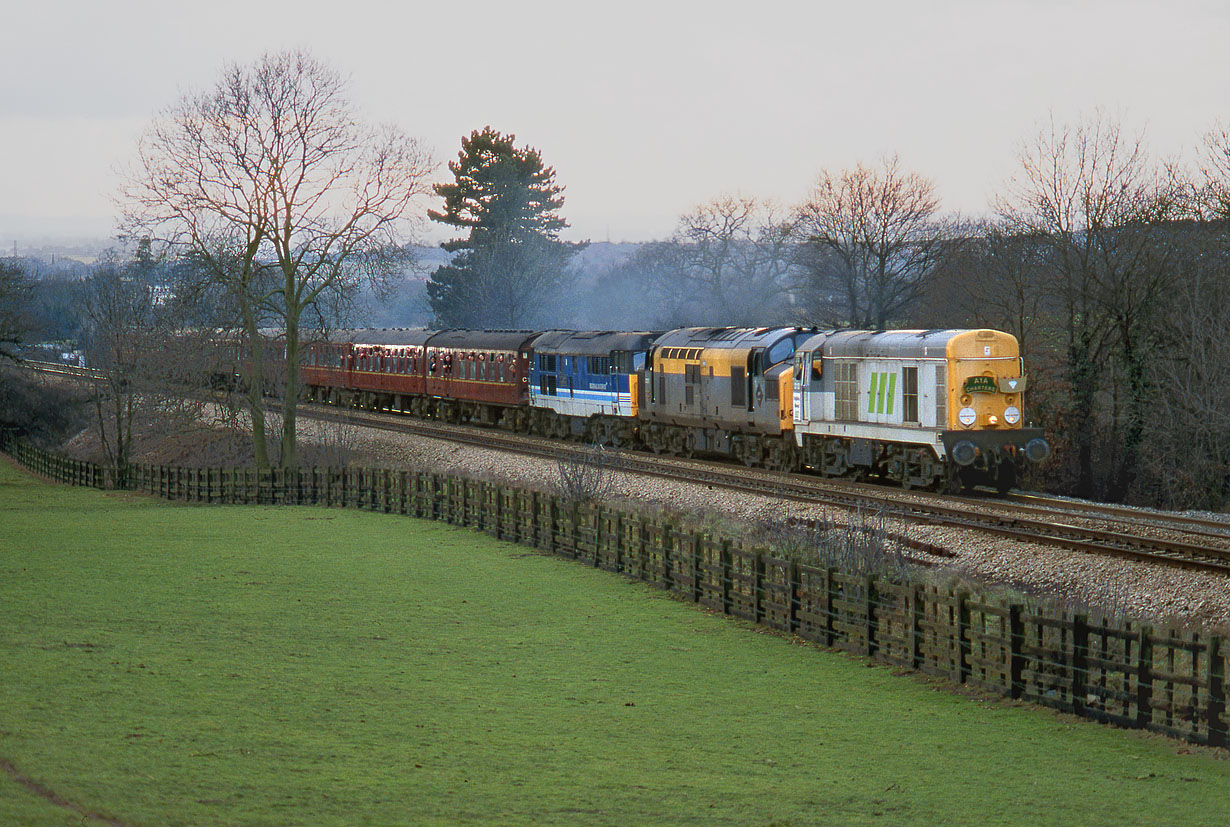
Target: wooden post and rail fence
1116	671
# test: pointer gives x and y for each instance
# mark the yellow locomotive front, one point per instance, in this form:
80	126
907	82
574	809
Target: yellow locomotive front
983	431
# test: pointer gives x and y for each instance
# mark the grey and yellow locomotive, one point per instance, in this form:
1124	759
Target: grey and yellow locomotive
935	408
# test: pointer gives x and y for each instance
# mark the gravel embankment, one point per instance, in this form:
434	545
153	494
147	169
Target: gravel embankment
1147	591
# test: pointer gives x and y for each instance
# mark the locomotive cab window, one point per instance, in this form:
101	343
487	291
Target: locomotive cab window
781	351
622	361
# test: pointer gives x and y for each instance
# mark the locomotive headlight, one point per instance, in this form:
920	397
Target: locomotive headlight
1012	415
967	417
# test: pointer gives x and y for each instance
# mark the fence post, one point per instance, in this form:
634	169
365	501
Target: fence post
914	610
1016	651
1080	661
758	588
963	644
830	599
792	597
871	615
547	502
1144	678
1218	724
493	498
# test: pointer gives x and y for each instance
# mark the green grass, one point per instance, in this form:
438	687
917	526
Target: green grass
169	664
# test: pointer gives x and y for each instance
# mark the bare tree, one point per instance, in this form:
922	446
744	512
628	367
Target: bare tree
1213	192
135	338
869	240
271	178
992	278
733	254
14	299
640	291
1090	194
1187	446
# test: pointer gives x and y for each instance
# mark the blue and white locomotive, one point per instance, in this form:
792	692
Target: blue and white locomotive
585	384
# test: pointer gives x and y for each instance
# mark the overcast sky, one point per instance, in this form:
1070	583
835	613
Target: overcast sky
645	109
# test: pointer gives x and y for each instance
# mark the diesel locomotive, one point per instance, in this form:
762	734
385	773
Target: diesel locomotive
939	409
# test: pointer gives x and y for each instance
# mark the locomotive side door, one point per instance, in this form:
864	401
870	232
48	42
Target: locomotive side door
800	382
755	381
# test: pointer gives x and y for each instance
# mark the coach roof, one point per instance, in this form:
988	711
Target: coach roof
482	339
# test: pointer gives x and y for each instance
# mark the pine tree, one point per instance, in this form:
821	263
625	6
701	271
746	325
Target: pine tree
511	261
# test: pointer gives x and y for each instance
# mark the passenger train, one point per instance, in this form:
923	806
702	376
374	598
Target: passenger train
938	409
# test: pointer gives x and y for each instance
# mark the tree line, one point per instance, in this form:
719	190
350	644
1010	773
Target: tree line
268	204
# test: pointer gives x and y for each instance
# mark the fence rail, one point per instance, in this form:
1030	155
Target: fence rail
1124	673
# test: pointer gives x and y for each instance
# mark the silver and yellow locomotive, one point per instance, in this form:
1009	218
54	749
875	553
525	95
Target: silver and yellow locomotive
933	408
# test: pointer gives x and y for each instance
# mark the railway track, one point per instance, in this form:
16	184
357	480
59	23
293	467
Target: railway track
1189	523
1109	530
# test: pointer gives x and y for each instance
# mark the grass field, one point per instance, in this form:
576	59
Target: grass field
169	664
